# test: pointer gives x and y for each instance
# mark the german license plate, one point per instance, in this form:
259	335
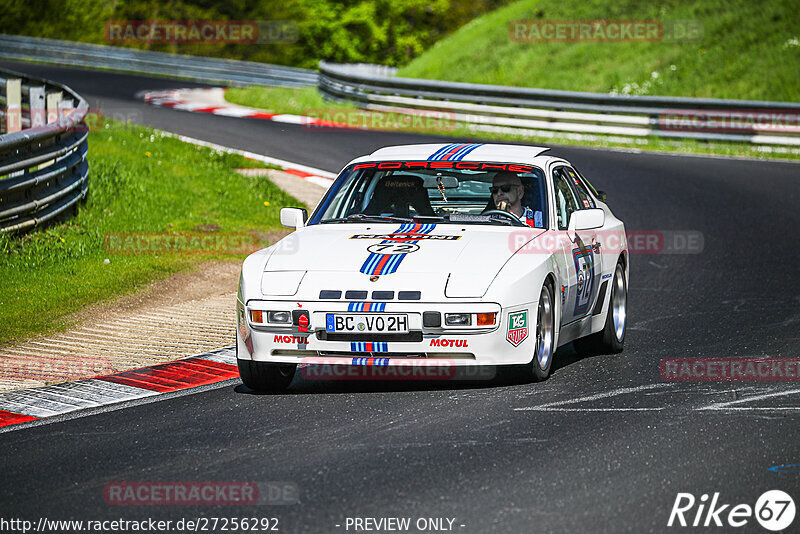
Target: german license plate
354	323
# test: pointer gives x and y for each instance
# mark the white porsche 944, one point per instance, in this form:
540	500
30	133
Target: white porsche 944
458	254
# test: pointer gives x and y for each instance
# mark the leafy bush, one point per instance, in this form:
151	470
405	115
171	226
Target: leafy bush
372	31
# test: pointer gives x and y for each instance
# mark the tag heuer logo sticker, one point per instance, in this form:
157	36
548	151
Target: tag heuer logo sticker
517	327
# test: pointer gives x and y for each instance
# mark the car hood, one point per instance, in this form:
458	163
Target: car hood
477	252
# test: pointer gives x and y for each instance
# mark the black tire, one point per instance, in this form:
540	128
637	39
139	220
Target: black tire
542	361
262	376
611	339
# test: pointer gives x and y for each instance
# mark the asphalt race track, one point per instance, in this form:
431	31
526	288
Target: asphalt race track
604	445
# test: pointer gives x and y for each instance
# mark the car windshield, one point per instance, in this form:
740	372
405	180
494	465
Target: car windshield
406	191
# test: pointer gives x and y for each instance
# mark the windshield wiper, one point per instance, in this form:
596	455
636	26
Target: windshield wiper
357	217
464	218
432	217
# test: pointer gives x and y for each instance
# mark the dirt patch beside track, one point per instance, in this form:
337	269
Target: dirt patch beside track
187	313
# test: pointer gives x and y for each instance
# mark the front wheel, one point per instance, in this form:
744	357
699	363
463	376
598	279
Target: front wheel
611	339
539	367
263	376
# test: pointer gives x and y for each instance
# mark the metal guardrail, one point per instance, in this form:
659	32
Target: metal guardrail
494	107
43	167
481	107
198	68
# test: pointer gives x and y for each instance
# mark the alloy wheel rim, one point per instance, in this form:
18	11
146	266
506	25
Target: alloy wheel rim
619	304
544	329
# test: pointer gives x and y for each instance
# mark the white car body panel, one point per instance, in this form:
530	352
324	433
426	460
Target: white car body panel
488	268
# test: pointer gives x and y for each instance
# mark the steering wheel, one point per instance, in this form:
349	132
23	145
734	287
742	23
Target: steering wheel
513	218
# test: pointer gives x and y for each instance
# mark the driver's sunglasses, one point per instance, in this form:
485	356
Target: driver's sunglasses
505	188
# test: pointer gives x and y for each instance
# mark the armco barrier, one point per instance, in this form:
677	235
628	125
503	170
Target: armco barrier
202	69
43	146
488	107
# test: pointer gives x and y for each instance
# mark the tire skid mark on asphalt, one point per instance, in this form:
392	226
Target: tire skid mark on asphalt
561	409
769	395
30	405
739	405
613	393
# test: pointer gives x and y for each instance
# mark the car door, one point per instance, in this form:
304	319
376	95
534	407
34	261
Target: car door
590	238
577	248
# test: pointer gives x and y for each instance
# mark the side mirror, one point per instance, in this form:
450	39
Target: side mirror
603	196
293	217
586	220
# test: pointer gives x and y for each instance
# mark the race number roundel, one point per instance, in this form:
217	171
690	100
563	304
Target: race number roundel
517	327
393	248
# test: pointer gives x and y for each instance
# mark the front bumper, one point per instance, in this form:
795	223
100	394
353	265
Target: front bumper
452	346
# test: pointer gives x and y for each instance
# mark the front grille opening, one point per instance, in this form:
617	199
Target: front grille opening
342	354
450	356
411	337
294	353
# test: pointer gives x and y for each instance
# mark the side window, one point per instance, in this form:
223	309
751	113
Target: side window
565	199
583	195
588	184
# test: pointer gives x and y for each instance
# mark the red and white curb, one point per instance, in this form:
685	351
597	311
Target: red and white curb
212	100
311	174
22	406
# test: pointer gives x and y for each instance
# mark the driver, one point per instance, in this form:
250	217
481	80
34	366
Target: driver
507	192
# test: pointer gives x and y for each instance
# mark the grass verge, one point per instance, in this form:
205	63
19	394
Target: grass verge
155	206
742	50
309	102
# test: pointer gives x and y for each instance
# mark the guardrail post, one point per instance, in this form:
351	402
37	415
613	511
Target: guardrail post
38	115
65	108
52	106
44	168
13	105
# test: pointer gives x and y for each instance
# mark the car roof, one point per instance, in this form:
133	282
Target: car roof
458	151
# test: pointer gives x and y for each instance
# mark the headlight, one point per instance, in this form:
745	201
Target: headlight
279	317
458	319
271	317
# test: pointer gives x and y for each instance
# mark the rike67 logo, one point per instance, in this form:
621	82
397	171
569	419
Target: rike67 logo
774	510
517	327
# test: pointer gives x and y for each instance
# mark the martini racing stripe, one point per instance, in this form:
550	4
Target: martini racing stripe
378	264
463	151
369	346
454	152
439	153
367	306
